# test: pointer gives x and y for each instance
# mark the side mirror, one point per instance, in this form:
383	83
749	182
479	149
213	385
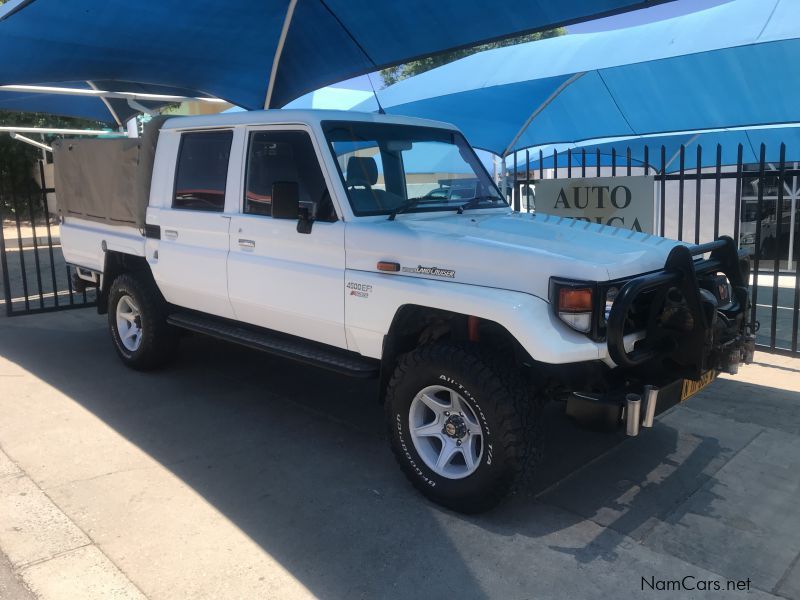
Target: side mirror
285	200
307	216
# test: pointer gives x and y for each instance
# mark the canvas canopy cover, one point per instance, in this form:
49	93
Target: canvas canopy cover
106	180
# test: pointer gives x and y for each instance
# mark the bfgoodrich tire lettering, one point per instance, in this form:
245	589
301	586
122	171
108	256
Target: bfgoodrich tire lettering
500	416
133	298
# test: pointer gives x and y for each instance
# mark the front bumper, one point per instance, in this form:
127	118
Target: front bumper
716	337
632	407
670	364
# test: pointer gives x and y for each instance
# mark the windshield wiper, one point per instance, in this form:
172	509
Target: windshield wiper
408	205
474	202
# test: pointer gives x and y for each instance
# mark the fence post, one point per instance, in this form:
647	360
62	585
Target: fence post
49	232
515	194
541	164
23	268
717	183
663	191
776	266
36	260
3	260
583	162
555	163
697	193
628	157
527	181
759	213
737	208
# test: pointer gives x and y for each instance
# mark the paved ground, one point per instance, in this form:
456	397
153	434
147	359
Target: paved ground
11	585
235	475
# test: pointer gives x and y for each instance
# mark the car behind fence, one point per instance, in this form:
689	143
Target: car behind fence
754	203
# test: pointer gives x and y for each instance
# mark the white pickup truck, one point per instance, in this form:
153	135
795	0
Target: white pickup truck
379	246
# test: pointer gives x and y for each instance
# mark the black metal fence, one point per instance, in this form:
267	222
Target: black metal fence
758	204
35	277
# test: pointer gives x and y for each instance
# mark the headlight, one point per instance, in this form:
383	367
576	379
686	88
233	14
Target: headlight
575	306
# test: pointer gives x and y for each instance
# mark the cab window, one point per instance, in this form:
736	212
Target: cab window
284	156
202	170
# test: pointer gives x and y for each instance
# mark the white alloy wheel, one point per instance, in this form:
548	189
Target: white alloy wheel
129	323
446	432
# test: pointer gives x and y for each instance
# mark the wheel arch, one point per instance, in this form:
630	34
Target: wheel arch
414	325
116	264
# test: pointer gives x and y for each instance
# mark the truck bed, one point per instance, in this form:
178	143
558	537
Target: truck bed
82	241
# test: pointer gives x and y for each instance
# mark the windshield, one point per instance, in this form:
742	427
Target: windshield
389	168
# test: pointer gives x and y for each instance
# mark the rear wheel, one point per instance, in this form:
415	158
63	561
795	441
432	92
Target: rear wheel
461	427
137	323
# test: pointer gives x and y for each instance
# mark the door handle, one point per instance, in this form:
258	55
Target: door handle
247	243
171	234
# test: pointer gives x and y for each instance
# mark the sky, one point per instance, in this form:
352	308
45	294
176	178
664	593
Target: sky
629	19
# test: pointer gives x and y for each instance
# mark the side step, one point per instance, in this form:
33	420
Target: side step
294	348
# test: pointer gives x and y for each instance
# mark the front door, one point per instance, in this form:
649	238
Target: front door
278	278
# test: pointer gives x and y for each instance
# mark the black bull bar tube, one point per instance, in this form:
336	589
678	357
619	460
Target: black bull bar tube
693	349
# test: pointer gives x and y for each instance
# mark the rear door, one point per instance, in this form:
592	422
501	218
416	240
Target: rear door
278	278
189	262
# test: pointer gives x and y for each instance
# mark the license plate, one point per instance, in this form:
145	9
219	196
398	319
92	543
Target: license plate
690	387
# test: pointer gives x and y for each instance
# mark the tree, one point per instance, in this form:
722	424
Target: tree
415	67
17	159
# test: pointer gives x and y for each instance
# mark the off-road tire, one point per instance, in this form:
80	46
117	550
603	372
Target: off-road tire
159	340
506	408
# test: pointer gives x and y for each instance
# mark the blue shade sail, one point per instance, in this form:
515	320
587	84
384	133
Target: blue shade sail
226	49
727	66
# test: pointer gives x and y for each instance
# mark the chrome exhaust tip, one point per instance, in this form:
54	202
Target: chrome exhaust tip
633	404
650	398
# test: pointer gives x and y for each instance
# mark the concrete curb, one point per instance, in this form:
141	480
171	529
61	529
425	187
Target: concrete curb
52	556
27	242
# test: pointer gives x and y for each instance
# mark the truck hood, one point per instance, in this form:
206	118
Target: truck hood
508	250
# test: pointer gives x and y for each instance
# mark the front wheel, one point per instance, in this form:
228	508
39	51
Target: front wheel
460	426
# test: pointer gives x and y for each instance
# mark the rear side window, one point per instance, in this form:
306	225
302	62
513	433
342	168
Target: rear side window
284	156
202	170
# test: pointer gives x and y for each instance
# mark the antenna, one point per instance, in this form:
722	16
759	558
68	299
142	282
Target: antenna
374	93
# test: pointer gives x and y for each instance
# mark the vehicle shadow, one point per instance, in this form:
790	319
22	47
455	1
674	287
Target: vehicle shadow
298	460
626	492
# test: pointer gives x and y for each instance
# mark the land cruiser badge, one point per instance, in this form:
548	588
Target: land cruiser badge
435	271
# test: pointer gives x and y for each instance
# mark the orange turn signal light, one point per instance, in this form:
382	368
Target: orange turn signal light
575	300
389	267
